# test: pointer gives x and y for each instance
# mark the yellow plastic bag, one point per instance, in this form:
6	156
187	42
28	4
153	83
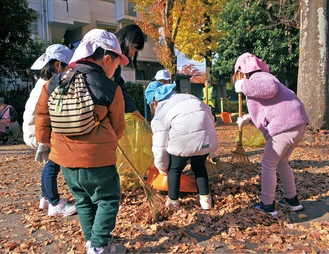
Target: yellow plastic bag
136	142
251	136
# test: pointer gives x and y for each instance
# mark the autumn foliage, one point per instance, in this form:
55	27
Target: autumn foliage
184	25
197	76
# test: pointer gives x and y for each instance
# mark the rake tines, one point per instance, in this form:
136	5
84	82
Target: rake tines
154	200
239	155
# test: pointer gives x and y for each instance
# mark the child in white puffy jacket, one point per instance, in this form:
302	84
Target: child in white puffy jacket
54	60
183	128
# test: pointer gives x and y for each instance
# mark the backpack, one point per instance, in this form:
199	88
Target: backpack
71	107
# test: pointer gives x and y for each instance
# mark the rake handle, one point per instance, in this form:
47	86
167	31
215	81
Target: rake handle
240	115
141	179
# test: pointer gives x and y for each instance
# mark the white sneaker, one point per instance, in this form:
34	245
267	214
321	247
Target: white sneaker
172	204
62	208
43	204
110	248
92	250
205	201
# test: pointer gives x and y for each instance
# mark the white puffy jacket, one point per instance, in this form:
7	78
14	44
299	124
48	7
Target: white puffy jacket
182	126
29	114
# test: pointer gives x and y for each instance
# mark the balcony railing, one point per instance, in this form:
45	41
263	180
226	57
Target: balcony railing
69	12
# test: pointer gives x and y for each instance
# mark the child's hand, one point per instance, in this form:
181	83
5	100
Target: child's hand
243	120
238	85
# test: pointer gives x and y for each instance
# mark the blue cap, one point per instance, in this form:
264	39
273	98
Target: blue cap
157	91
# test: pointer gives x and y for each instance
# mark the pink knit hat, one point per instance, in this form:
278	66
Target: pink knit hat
248	62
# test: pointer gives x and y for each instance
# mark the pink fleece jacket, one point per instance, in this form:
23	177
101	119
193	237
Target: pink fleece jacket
272	106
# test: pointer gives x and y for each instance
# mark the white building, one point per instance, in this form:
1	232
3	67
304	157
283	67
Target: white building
71	19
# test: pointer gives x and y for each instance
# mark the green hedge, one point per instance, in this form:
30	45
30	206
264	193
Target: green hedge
136	90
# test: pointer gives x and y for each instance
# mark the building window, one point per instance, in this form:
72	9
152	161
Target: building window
34	26
131	9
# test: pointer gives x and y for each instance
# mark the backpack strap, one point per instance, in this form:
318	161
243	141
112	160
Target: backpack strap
5	110
67	77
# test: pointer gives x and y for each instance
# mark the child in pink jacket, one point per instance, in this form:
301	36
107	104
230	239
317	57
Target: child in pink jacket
278	113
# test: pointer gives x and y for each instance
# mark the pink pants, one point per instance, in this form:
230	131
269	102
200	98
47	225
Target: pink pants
276	158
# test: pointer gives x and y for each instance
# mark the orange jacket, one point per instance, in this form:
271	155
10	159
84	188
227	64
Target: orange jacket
98	147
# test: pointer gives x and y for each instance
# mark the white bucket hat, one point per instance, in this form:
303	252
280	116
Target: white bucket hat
162	75
56	51
97	38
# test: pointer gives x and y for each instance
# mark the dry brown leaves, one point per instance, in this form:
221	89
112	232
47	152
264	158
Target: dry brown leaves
230	227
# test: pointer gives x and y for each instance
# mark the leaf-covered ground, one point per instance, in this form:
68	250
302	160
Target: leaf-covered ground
230	227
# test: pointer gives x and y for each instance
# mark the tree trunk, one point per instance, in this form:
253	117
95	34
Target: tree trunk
313	74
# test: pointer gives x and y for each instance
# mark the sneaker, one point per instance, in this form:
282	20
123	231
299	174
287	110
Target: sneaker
172	204
270	209
94	250
291	203
43	204
88	245
62	208
205	201
110	248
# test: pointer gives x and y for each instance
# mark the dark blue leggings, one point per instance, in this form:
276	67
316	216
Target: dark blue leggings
198	166
49	182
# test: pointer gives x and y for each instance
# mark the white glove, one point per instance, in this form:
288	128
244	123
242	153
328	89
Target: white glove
163	171
42	153
238	85
243	120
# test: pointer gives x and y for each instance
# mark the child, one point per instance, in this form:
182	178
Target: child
8	122
132	40
163	76
209	95
183	129
54	60
280	116
88	161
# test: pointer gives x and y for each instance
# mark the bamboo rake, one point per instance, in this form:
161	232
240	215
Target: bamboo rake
155	201
239	155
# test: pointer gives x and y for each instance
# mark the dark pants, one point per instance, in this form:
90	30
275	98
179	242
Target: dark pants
198	166
97	195
49	182
13	130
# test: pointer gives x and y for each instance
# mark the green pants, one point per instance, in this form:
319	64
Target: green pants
97	195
